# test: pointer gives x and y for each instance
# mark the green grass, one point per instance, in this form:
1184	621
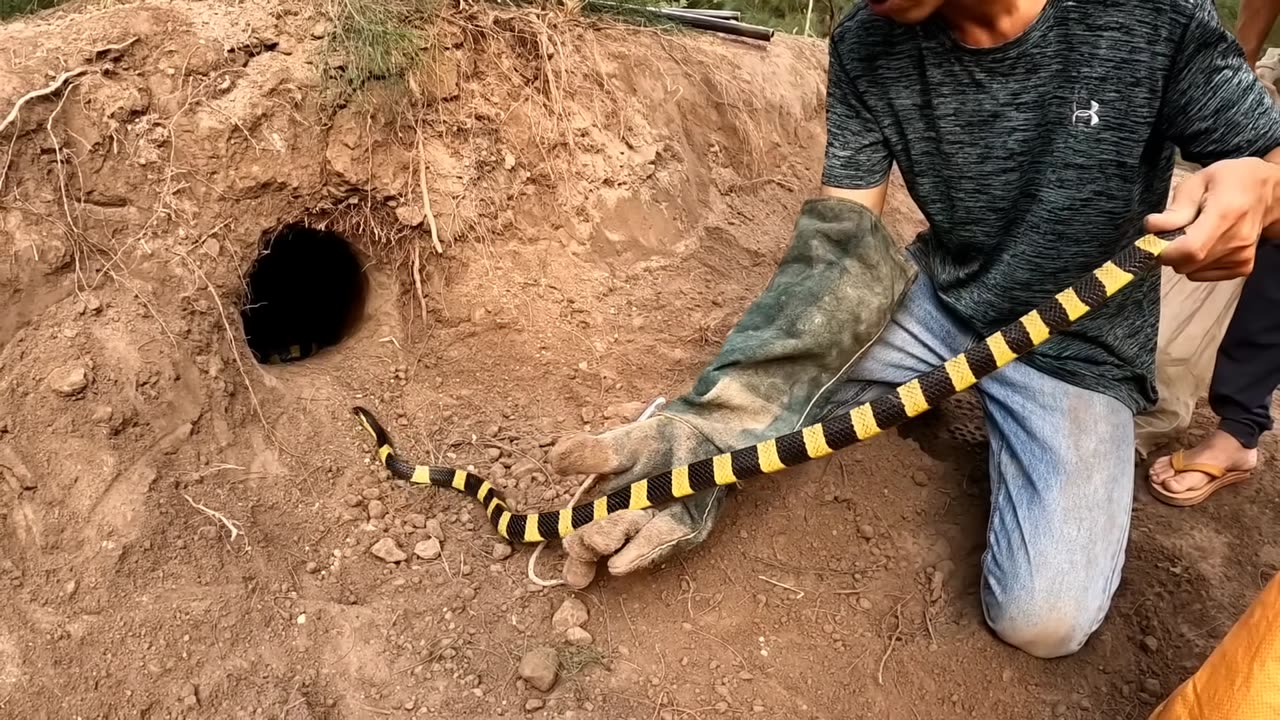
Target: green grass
13	8
374	40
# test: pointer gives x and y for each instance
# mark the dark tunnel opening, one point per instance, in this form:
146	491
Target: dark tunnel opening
305	291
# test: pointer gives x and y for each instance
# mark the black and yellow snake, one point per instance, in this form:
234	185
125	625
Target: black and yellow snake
808	443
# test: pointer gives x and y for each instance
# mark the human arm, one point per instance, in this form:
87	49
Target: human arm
857	162
1254	25
872	198
1218	114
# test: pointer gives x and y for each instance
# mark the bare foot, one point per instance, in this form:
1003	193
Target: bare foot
1218	449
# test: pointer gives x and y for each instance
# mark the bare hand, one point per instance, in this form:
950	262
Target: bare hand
1224	209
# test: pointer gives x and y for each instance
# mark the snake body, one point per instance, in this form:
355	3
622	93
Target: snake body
808	443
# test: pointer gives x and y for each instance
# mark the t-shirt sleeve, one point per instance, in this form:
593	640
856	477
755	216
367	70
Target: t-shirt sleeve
1215	107
857	155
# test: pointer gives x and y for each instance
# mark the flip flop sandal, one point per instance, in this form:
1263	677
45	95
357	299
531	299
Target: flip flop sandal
1219	478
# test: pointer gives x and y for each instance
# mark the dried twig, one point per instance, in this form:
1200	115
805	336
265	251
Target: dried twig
727	645
799	593
49	89
897	633
431	220
57	84
426	198
232	525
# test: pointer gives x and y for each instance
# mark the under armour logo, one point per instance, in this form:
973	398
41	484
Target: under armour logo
1089	116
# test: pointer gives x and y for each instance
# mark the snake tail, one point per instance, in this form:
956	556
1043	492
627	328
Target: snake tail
811	442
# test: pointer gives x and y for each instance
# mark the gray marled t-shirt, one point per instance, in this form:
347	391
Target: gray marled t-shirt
1036	160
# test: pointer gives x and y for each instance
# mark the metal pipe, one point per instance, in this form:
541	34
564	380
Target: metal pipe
730	27
722	14
698	19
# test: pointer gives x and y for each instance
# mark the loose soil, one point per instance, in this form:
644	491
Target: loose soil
186	533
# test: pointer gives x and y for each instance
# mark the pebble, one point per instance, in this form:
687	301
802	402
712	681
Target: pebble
577	636
468	594
864	603
377	509
572	613
539	668
351	500
69	380
416	520
387	549
920	479
524	468
1151	686
866	532
371	493
534	704
433	529
1060	709
427	549
501	551
1150	644
312	566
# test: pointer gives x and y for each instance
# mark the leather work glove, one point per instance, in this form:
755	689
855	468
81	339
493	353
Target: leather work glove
833	293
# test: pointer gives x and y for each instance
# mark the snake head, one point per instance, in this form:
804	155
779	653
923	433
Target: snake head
380	436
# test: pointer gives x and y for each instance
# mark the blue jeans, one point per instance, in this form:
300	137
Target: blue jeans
1062	463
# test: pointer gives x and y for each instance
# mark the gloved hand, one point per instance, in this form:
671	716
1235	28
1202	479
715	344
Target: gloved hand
635	538
834	291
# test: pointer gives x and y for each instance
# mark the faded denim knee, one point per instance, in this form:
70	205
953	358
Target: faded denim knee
1039	621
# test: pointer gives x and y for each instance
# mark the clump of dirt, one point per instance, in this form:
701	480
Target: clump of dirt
557	219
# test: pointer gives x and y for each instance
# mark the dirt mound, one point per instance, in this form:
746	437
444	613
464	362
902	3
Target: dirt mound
188	533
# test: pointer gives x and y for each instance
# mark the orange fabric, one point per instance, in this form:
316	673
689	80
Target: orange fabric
1241	678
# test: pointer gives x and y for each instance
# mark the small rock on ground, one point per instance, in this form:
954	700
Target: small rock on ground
572	613
539	667
524	468
427	549
577	636
1150	644
69	380
433	529
387	550
866	532
501	551
534	704
377	509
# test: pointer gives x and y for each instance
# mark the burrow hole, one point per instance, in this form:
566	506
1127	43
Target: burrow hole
305	291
